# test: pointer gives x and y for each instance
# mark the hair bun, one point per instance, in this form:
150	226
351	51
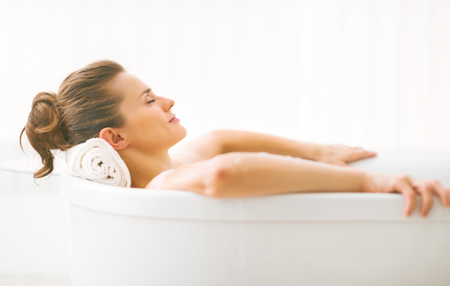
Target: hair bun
44	112
44	131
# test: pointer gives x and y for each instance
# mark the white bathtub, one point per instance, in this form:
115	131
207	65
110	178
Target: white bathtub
138	237
33	225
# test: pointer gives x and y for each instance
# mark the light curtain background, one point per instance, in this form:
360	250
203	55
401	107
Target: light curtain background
372	73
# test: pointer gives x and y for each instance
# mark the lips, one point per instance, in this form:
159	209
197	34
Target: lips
174	119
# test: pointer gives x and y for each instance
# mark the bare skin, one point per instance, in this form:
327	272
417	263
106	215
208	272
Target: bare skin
229	163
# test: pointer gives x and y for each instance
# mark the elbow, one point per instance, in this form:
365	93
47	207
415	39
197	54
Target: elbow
218	183
220	138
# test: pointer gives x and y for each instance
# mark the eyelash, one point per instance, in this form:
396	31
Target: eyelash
151	100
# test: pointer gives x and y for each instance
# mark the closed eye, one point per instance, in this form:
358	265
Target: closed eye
149	99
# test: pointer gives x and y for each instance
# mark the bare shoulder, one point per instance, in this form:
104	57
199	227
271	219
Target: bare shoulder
198	149
183	155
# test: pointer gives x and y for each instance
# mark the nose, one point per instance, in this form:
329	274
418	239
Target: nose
168	103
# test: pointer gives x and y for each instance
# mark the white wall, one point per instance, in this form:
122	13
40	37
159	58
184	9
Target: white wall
359	72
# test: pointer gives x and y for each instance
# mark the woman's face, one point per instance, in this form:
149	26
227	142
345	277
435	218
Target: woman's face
150	124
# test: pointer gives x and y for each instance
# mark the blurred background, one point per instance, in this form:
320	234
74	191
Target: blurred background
372	73
355	72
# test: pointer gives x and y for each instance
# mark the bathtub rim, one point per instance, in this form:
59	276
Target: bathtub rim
307	207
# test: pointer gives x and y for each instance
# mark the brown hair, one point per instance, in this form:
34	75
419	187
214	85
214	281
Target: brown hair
82	108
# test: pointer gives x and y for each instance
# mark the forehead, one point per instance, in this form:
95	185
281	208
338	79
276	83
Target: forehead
128	84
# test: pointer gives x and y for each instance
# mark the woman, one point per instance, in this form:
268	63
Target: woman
103	100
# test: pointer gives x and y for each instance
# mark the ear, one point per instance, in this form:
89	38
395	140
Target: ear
113	137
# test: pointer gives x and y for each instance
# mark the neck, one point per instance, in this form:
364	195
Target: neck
144	167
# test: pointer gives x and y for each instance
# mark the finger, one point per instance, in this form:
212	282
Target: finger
410	196
442	193
447	197
356	148
361	149
361	154
426	194
341	163
371	154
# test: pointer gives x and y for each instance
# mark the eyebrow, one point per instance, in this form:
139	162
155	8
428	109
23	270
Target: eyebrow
145	92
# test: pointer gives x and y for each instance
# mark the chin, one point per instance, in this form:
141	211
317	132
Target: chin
182	134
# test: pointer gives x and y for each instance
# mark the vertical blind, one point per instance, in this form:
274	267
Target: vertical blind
374	73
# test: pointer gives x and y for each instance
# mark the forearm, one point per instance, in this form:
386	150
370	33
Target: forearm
243	141
250	174
253	175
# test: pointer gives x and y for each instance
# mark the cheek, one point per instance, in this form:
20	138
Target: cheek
138	124
148	127
151	126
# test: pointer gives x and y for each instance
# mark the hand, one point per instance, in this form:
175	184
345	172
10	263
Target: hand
427	189
410	188
341	155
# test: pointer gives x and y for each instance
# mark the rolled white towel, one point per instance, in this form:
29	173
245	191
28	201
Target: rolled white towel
97	161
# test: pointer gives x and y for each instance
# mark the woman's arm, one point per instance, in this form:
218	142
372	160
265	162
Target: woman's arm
243	141
249	174
227	141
